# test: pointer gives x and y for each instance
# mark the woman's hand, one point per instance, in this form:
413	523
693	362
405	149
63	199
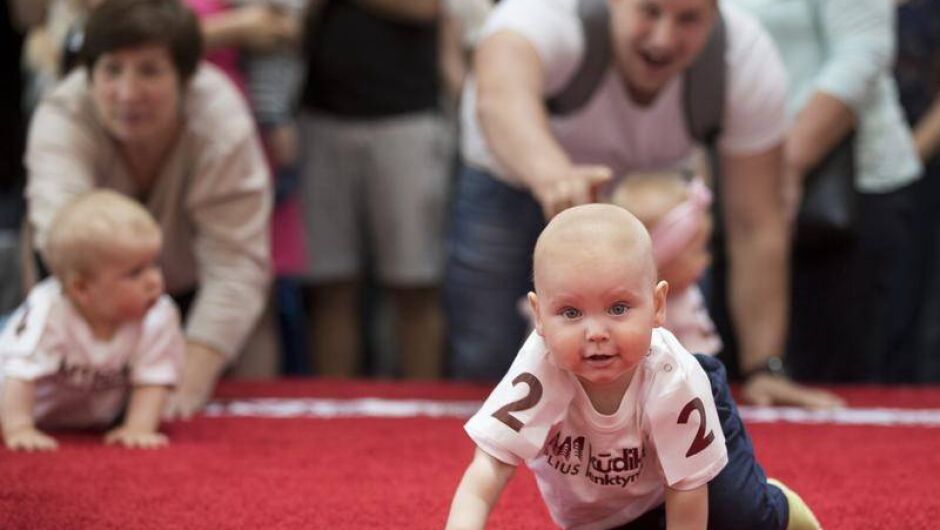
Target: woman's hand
263	28
200	372
253	27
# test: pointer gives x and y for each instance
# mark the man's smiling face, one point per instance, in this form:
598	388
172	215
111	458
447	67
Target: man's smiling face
655	40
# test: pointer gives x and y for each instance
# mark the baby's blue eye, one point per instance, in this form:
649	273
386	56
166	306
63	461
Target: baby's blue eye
570	313
619	308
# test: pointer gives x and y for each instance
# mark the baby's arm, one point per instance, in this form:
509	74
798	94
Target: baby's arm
143	417
478	491
19	430
687	510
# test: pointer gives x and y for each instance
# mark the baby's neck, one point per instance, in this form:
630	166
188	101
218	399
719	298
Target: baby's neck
101	328
606	397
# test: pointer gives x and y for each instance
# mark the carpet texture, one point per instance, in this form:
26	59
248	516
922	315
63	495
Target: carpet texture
369	472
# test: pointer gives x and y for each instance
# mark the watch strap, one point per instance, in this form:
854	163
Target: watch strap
772	365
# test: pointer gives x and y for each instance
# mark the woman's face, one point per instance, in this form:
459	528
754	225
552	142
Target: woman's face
136	93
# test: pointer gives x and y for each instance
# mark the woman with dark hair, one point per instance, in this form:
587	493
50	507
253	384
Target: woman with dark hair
145	117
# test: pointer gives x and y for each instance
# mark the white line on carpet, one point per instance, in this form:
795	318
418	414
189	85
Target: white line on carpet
407	408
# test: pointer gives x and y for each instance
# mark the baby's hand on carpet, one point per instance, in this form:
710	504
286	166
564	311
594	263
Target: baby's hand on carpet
29	439
135	439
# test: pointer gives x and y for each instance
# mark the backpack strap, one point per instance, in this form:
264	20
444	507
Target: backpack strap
703	99
704	95
595	25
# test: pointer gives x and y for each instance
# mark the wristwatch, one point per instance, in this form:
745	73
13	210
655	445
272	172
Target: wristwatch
772	365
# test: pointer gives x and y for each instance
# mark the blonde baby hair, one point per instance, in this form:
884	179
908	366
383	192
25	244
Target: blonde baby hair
94	227
649	195
670	205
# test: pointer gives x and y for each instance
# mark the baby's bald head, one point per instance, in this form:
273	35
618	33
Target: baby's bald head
594	231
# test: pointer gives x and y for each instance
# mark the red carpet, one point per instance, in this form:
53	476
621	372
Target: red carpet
367	472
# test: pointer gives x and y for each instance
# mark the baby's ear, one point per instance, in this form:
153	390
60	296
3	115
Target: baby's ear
660	292
75	286
536	316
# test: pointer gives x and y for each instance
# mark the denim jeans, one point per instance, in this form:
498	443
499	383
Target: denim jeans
492	233
739	498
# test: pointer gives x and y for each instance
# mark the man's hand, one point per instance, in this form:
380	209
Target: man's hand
135	439
29	439
200	372
770	390
579	185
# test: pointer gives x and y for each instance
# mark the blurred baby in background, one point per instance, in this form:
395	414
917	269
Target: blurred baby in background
99	338
673	205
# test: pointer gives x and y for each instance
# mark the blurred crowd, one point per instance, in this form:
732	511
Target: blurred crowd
352	188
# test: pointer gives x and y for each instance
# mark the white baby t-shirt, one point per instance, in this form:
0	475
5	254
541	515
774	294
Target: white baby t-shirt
82	381
595	470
